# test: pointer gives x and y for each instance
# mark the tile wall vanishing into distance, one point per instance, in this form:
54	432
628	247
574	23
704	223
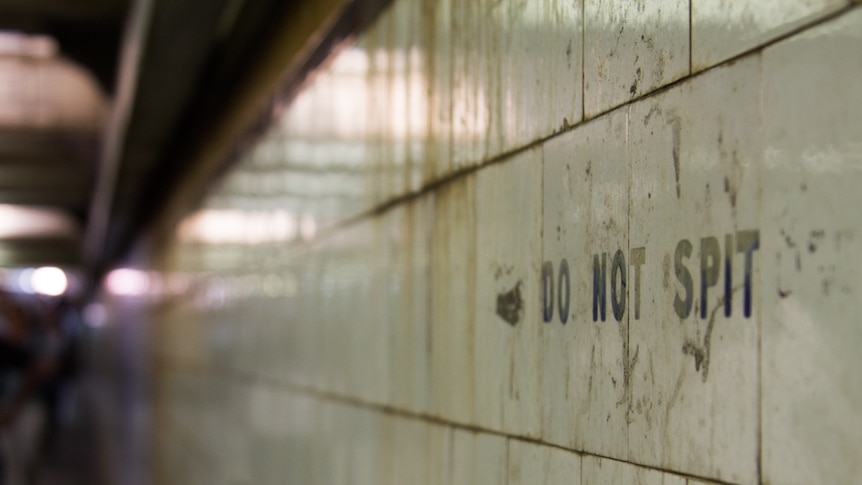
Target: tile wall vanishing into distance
534	242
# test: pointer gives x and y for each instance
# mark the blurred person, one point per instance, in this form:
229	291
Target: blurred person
28	358
61	327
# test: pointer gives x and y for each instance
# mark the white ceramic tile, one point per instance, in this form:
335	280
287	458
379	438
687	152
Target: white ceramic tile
508	321
397	86
478	458
453	300
358	261
409	293
420	452
632	48
387	449
410	451
336	431
436	44
541	68
314	335
529	463
695	185
812	237
515	73
285	424
438	454
584	391
597	471
476	58
721	30
367	443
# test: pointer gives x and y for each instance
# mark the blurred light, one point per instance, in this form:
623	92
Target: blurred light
178	283
42	89
25	280
95	315
214	226
34	46
127	282
26	222
307	227
49	281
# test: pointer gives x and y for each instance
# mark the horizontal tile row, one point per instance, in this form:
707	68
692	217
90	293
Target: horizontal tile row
266	436
437	86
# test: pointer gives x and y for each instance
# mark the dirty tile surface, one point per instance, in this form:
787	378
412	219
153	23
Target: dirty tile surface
530	463
431	269
508	332
695	208
478	458
812	430
598	471
721	30
453	302
632	48
586	201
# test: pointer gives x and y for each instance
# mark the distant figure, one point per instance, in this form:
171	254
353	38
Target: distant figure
29	357
61	328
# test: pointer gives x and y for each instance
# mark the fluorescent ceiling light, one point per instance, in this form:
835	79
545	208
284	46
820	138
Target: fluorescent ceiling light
21	222
49	281
34	46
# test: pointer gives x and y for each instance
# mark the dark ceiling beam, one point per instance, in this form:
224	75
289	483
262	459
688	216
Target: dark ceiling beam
293	42
73	201
195	52
207	71
114	141
173	49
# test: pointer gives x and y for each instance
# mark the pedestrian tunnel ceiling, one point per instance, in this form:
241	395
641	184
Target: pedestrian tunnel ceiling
107	107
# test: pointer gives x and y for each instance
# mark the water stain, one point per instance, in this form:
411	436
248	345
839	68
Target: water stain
701	351
666	271
814	240
730	190
677	128
638	77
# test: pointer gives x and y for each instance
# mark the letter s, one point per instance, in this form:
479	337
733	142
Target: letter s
683	306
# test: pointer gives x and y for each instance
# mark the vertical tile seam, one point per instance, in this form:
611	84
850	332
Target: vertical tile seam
581	468
629	391
760	312
450	473
428	401
690	29
250	379
541	340
508	460
583	60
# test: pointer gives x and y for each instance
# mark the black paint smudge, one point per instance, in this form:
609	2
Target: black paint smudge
510	305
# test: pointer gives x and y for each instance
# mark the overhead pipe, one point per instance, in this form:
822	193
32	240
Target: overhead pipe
115	132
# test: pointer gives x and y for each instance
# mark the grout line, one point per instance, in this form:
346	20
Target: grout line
632	301
583	61
759	377
507	470
451	453
248	379
469	169
690	56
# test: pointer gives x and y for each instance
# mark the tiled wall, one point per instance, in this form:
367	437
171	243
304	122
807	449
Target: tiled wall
525	242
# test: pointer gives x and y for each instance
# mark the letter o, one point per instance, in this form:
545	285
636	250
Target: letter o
564	296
